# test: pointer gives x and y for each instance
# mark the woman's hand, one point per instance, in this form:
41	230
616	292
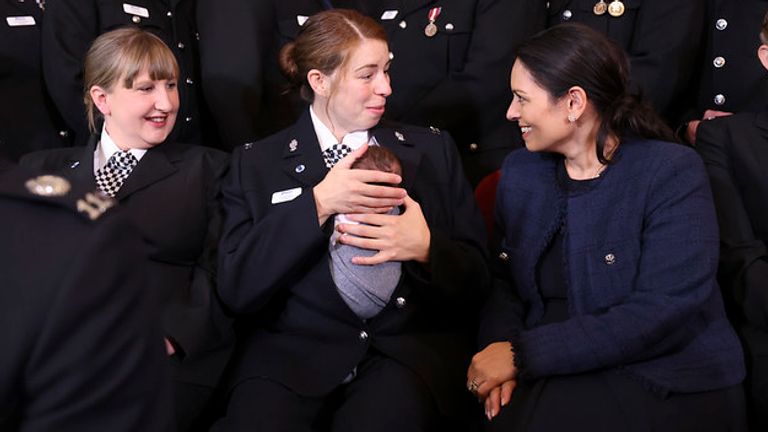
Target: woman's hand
490	368
498	397
346	190
403	237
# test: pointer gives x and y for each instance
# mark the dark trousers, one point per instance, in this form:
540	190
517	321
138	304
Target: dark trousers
384	396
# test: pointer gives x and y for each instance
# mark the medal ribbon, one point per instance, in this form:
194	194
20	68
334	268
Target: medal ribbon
434	13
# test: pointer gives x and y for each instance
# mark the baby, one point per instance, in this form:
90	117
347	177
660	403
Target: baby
366	289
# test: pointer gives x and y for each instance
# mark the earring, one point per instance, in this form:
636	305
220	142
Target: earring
571	118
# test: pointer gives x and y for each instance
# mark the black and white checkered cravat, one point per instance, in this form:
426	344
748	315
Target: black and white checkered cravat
111	176
335	153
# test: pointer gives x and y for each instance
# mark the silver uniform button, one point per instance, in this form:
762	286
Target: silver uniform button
391	55
188	119
400	302
503	256
718	62
473	147
363	335
189	81
719	99
567	14
136	19
449	27
169	14
180	45
300	169
248	146
721	24
610	259
63	134
403	24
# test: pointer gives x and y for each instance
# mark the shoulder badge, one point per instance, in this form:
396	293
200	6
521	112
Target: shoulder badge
48	186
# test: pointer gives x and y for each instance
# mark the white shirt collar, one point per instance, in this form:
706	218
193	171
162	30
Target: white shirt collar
326	138
106	148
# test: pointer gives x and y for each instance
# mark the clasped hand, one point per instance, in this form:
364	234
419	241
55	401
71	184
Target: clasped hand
491	376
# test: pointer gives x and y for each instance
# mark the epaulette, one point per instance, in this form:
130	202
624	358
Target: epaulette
24	185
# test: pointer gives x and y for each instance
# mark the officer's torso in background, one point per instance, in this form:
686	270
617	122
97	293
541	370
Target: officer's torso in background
732	78
28	120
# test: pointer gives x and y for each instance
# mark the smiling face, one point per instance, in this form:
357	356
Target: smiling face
357	91
141	116
543	121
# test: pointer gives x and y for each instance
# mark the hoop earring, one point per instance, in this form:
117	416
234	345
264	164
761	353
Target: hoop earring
571	118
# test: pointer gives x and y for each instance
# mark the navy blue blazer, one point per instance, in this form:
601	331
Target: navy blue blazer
640	258
275	271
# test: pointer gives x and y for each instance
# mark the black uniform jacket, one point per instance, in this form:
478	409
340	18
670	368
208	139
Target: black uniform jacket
72	25
82	348
457	79
731	77
661	37
173	198
735	152
28	120
275	268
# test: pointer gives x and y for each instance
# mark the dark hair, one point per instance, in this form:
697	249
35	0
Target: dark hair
764	30
324	43
379	159
572	54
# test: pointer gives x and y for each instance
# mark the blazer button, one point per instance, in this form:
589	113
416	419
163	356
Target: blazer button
363	335
610	259
400	302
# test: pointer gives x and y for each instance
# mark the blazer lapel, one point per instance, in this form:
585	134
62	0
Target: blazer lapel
302	159
80	165
399	142
760	144
156	165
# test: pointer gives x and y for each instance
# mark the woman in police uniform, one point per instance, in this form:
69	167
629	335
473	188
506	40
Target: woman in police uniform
72	25
450	59
307	358
171	192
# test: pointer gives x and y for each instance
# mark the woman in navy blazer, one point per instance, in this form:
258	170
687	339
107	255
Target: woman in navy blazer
609	316
307	358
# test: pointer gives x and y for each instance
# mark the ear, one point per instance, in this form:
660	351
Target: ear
99	98
320	82
576	102
762	54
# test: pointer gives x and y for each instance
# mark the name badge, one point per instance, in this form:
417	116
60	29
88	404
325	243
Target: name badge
20	21
135	10
388	15
301	19
286	195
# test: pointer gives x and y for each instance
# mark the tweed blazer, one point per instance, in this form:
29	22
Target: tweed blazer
640	257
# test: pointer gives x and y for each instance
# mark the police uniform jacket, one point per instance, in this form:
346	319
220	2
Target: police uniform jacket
731	77
28	119
661	37
735	151
275	268
639	255
172	196
72	25
82	348
457	79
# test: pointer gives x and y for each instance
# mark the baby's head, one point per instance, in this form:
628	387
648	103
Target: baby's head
379	159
